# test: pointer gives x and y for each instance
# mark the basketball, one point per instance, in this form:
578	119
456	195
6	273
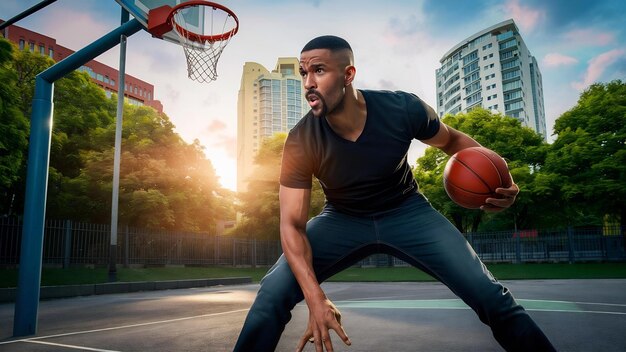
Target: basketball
473	174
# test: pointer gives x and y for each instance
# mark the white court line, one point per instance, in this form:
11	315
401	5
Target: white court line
587	303
82	348
575	311
123	326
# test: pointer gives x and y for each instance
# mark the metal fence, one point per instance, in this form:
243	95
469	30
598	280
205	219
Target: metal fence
68	243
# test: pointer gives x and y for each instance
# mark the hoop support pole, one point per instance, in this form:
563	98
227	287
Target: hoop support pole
29	277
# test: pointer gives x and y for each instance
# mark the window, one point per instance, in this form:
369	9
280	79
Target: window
471	57
31	47
112	82
509	44
511	85
510	64
470	68
22	44
99	77
513	95
505	35
473	98
42	49
509	75
472	88
106	79
51	52
513	106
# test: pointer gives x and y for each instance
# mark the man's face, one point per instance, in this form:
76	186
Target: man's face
323	78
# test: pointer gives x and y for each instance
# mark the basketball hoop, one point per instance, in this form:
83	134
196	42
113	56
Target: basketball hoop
203	28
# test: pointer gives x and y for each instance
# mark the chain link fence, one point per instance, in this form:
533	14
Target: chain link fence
68	243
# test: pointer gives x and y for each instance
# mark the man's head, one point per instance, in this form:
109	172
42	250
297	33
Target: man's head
326	66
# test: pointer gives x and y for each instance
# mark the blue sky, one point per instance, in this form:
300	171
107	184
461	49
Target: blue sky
397	46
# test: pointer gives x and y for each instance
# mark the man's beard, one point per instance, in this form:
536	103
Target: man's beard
324	109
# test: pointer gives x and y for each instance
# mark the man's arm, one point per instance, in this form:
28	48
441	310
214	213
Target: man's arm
323	315
451	141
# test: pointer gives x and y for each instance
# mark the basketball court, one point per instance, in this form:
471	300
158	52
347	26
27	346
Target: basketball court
578	315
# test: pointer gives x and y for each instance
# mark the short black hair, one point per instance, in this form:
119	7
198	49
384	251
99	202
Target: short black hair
330	42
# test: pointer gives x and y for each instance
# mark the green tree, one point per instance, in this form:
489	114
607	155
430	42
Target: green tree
260	205
13	131
588	158
522	148
165	182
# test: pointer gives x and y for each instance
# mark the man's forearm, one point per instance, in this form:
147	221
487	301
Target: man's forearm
299	256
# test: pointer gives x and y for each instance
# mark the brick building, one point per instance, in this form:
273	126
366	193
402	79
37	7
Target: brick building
136	91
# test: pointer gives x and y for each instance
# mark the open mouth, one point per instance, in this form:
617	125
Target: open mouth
314	100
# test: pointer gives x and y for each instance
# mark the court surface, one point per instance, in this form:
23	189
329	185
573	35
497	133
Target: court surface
577	315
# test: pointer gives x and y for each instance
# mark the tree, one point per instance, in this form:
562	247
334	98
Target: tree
14	128
260	204
522	148
165	182
589	155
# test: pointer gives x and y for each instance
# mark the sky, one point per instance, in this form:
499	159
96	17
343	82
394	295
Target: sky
397	46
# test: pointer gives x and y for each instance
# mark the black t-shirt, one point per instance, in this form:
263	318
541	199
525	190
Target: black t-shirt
371	174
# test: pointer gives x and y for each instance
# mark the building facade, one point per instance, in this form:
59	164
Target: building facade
495	70
268	102
136	91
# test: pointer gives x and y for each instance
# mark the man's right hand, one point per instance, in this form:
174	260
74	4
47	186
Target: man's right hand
323	316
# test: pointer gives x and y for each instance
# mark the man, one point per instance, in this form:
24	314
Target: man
355	142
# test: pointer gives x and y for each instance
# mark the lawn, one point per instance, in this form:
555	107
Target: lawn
77	276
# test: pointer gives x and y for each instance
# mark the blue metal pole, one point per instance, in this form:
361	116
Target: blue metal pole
29	277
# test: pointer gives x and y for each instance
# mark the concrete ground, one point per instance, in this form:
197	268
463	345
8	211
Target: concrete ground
577	315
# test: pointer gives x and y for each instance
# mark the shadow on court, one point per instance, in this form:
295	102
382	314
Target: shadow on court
577	315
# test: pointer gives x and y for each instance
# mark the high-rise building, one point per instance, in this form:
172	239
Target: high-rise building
268	102
493	69
136	91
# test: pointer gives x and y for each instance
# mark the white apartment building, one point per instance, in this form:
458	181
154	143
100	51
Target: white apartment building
495	70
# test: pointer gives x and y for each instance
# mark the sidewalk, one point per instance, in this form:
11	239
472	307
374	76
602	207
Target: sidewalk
64	291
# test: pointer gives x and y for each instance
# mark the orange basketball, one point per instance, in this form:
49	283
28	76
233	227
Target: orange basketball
473	174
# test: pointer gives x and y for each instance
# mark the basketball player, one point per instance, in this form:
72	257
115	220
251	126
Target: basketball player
355	142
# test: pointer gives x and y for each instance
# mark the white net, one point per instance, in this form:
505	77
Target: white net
203	42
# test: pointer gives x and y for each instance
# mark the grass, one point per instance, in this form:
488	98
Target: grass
77	276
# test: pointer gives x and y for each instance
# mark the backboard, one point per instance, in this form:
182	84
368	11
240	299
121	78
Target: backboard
140	8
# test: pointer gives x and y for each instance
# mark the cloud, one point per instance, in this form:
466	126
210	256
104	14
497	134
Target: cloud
526	17
215	126
72	33
589	37
227	143
556	59
598	65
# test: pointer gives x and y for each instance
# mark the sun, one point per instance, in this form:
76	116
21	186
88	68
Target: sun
225	168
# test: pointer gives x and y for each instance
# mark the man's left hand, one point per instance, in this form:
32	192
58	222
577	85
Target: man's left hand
506	199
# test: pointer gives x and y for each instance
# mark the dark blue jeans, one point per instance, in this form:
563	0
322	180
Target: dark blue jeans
413	232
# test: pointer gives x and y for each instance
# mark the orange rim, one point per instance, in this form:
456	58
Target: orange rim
199	37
